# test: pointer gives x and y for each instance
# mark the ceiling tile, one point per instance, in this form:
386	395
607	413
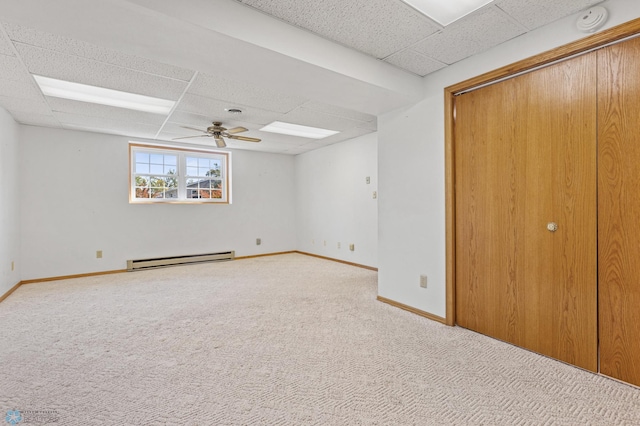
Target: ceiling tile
214	109
89	51
35	119
340	112
104	111
19	89
535	13
86	71
105	125
12	69
342	136
283	139
472	34
376	27
32	105
415	62
169	136
5	45
232	91
128	131
310	117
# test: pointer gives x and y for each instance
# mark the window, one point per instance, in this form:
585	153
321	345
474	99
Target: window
174	175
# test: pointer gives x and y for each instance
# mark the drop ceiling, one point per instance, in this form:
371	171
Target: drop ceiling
333	64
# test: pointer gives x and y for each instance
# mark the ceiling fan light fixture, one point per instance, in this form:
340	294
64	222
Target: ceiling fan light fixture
99	95
298	130
233	110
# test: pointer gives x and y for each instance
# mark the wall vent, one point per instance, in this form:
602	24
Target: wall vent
161	262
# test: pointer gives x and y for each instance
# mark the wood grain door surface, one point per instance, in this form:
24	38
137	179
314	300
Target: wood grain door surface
525	155
619	210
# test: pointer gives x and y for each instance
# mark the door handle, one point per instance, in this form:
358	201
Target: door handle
552	227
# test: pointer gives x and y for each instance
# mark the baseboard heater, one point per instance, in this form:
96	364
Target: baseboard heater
162	262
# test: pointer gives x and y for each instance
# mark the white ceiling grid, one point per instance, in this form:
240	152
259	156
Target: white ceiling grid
388	30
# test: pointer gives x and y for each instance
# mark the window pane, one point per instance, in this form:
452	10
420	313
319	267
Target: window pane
171	182
192	171
156	181
170	160
192	162
192	193
203	162
216	193
142	192
142	181
156	192
156	158
171	193
156	169
217	184
214	172
204	184
142	168
170	170
142	157
205	193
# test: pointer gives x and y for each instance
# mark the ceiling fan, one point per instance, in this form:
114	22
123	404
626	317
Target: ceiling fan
217	132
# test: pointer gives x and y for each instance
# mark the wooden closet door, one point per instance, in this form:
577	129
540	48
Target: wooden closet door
525	155
619	210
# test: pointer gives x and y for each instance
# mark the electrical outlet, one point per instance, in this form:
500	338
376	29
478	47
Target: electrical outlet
375	194
99	254
338	245
368	180
325	242
313	242
423	281
352	247
13	265
258	241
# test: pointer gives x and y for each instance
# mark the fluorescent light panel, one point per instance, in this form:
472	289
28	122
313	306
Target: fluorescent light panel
99	95
445	12
298	130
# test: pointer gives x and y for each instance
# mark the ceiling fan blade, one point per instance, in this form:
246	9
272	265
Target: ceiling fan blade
236	130
187	137
220	143
244	138
193	128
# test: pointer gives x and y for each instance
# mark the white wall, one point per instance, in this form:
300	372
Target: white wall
411	166
9	203
334	202
74	201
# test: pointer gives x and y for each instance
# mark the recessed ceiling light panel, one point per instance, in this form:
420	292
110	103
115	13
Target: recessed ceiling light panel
298	130
100	95
445	12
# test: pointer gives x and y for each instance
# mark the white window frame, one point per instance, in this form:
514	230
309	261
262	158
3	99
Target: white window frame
181	173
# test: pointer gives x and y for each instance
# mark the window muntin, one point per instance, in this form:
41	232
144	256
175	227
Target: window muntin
173	175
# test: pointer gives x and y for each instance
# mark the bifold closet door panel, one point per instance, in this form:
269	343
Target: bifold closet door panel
619	210
525	157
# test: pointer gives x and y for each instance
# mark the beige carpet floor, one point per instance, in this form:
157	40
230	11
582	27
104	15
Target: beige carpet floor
282	340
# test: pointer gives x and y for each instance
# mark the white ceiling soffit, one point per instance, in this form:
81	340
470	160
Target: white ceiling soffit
331	64
393	31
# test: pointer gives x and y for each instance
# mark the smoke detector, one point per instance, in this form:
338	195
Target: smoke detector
592	19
